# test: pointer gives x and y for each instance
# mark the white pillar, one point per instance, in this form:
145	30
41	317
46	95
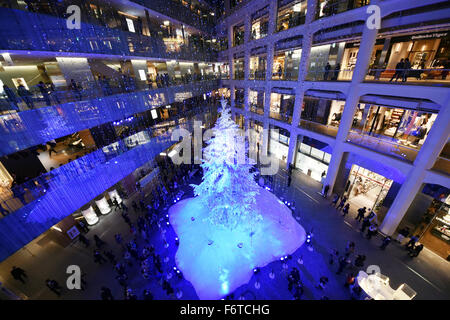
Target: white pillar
434	143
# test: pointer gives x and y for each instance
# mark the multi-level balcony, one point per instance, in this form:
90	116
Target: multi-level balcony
91	108
42	202
50	33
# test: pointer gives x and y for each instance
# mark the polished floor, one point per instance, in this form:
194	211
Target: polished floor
427	274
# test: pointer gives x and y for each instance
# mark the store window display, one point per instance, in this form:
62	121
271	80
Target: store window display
260	23
402	126
239	67
365	188
321	114
326	8
428	55
434	227
258	65
282	106
291	13
256	100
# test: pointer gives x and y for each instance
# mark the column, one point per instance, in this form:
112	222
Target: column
359	73
434	143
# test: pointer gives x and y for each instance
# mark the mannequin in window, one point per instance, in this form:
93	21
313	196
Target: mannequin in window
420	133
336	117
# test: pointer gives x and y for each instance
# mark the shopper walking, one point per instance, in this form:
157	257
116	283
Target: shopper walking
372	231
334	254
98	258
406	67
44	91
26	96
337	69
11	97
398	70
84	240
365	224
385	242
414	252
19	274
361	212
54	286
335	200
412	242
343	263
98	242
342	203
359	261
346	209
326	71
3	211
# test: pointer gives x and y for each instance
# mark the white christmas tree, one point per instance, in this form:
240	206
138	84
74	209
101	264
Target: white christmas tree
228	188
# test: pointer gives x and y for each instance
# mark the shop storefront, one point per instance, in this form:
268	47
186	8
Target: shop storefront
291	13
313	158
428	217
286	58
258	63
256	100
407	127
321	115
365	188
282	104
279	142
260	23
424	51
326	8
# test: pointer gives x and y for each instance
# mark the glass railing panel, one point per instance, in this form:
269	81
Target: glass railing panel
432	76
319	128
383	146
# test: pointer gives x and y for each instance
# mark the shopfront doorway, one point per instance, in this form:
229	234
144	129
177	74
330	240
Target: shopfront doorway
365	188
